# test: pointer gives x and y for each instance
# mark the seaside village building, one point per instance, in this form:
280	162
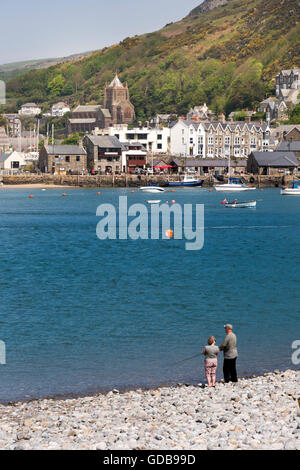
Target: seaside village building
59	109
30	109
4	142
62	159
272	163
104	153
219	139
287	91
154	140
117	109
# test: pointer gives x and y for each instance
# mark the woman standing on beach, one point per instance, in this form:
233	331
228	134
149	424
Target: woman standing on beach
211	361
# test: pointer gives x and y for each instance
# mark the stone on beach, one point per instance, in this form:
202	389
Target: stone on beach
255	413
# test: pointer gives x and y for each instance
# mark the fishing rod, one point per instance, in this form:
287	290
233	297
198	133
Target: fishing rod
183	360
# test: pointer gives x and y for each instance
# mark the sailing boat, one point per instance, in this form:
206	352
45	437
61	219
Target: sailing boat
233	184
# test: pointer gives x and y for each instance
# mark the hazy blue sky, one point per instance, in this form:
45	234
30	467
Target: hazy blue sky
35	29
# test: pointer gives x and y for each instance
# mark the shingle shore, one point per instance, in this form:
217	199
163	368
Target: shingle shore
256	413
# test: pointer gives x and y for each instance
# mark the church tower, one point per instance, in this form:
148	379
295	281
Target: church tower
117	100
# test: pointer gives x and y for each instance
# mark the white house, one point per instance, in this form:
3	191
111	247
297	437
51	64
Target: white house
154	140
59	109
30	109
188	139
13	161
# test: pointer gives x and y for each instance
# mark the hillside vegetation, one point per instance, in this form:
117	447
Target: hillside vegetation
226	57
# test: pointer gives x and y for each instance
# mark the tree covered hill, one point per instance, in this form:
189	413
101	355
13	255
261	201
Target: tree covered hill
225	57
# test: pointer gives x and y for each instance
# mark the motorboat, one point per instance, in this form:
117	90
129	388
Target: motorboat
154	201
152	189
294	190
237	204
234	184
188	180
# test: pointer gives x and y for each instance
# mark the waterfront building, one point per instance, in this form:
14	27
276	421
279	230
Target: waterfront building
12	161
154	140
62	159
207	166
134	156
272	163
219	139
104	153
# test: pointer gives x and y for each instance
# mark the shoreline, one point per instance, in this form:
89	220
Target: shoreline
261	412
132	388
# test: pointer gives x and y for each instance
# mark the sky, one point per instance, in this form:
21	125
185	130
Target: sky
34	29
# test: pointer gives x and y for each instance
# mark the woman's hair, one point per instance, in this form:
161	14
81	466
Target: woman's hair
210	340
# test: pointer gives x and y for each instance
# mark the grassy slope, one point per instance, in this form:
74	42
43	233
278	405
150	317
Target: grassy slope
226	57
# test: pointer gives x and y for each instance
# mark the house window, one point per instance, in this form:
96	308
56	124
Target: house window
237	140
159	146
77	158
67	159
210	140
227	140
159	137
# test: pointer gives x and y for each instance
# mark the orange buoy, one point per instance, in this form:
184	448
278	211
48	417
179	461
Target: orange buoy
132	192
64	194
169	233
99	192
210	190
172	190
31	196
261	189
173	202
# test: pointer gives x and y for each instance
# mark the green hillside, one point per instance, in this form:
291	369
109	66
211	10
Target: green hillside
225	57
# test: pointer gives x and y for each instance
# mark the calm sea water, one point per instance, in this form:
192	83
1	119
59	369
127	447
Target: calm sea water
78	314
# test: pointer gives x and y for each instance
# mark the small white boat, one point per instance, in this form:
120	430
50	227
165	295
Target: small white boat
234	185
235	203
154	202
152	189
293	191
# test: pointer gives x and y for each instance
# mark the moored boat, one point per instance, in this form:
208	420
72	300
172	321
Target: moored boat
234	184
154	201
188	180
152	189
237	204
294	190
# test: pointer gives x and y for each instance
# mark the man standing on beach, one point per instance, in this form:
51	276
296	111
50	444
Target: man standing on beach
230	355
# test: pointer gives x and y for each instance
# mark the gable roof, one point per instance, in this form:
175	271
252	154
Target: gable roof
286	146
105	141
65	150
276	159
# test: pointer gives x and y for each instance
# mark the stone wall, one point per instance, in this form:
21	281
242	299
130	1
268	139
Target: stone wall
134	181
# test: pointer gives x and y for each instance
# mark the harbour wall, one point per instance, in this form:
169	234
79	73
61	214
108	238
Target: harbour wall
121	181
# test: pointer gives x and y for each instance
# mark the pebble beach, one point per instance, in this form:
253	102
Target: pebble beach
256	413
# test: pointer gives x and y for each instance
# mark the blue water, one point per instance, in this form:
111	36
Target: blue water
78	314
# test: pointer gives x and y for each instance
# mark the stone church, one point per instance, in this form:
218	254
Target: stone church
117	100
117	109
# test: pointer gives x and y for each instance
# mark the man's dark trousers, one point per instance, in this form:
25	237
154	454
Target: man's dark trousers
229	370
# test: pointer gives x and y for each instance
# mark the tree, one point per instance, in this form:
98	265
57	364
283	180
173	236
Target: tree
295	115
56	85
71	140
